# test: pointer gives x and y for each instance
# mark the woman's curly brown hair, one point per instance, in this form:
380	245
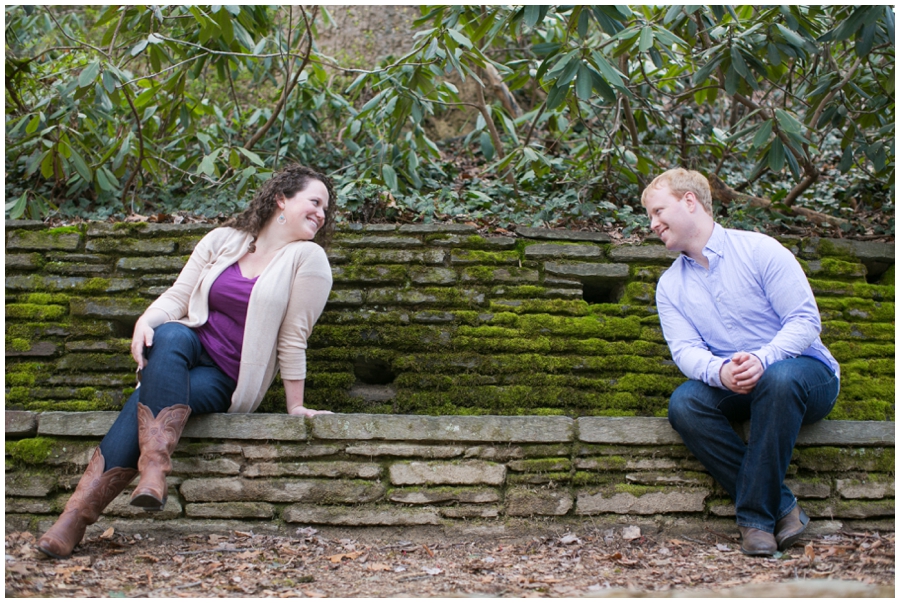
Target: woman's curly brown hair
284	184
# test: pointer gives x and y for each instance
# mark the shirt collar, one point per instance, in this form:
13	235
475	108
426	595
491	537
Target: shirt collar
716	242
714	246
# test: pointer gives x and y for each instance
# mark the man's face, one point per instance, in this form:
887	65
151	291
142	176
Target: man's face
671	217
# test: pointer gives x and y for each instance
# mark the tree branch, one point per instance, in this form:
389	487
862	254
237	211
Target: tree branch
289	87
137	168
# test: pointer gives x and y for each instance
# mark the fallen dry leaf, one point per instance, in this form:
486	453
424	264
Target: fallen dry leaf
108	534
341	556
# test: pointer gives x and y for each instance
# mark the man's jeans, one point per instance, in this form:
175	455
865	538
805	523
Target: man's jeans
792	392
178	371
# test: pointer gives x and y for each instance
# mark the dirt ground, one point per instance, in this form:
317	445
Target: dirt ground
309	563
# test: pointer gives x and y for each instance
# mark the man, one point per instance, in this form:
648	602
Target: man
742	324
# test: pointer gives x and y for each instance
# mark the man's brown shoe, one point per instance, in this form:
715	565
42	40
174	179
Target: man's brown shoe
756	542
789	528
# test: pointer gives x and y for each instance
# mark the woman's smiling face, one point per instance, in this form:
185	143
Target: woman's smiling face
304	213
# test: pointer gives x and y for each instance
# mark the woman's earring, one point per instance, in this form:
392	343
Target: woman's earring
282	219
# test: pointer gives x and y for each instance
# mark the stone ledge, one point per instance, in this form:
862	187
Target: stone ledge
449	428
517	429
21	423
656	430
218	426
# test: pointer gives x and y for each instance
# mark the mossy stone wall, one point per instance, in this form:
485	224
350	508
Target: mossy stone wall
427	319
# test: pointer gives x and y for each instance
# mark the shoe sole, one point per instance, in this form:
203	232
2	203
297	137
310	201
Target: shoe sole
148	502
789	540
757	553
54	555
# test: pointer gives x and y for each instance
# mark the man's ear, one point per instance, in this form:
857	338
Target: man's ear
691	201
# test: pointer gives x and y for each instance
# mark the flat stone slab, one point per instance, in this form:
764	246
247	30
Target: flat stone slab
843	433
443	429
525	502
230	510
342	516
247	427
230	489
218	426
679	501
548	251
93	423
642	253
436	228
461	473
21	423
562	235
598	271
627	430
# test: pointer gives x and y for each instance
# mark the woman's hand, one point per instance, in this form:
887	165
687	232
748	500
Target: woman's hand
293	390
308	412
143	337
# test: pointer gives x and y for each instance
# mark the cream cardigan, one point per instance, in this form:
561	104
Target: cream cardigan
285	303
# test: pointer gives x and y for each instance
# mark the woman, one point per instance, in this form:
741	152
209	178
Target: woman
241	309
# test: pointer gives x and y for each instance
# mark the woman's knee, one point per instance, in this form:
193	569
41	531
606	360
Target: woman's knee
173	337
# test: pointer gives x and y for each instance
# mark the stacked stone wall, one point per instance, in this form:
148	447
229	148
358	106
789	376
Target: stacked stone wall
557	327
427	319
405	470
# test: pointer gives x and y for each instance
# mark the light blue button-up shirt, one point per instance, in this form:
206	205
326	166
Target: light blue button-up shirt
754	298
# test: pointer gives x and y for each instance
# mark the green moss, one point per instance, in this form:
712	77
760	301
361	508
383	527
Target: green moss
830	458
869	366
639	292
636	490
45	298
840	269
96	285
19	379
845	351
887	278
19	345
32	451
648	384
838	329
330	380
855	289
545	465
609	463
133	227
477	256
64	230
571	307
17	394
35	311
862	410
856	386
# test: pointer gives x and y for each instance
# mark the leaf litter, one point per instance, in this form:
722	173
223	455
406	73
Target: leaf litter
307	564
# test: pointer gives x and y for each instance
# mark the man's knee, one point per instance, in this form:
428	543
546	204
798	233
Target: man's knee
683	404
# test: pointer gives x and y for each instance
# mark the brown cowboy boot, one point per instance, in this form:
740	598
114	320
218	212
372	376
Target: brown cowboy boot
789	528
157	438
95	491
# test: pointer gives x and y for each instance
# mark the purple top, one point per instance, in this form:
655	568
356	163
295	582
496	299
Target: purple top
222	335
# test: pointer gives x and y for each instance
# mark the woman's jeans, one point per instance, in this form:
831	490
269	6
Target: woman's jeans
790	393
178	371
